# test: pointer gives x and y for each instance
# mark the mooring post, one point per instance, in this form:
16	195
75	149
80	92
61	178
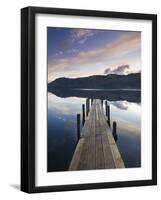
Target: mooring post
87	106
91	101
101	102
78	126
83	114
107	107
114	132
108	114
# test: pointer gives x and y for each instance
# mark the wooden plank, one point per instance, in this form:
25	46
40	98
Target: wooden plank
85	130
84	156
91	162
108	157
115	152
114	149
76	157
99	147
81	146
83	162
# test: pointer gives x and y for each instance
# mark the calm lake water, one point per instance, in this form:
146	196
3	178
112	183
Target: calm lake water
62	133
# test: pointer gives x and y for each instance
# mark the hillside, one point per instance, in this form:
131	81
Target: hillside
112	81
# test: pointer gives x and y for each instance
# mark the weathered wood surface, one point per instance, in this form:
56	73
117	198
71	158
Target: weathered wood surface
96	148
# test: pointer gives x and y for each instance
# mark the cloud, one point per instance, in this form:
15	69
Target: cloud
81	35
76	35
59	53
122	46
107	71
122	69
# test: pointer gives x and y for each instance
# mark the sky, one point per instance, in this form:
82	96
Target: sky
76	53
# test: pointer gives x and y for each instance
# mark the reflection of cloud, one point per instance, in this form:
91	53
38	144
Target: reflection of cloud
123	105
128	128
122	46
130	117
65	106
122	69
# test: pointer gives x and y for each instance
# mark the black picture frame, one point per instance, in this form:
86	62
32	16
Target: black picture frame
28	98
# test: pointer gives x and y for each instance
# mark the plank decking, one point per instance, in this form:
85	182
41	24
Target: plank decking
96	149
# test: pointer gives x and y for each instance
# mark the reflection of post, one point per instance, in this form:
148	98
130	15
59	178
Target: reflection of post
114	132
83	114
107	107
78	126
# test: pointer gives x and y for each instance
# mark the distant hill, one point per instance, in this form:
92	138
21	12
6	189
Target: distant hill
111	81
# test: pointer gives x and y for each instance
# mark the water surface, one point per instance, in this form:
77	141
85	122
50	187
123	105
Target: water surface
62	134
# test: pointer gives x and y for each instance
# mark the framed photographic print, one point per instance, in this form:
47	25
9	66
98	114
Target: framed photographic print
88	99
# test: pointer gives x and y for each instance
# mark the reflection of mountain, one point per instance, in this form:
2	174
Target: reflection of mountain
112	81
113	95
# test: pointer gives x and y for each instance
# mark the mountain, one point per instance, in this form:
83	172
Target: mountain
111	81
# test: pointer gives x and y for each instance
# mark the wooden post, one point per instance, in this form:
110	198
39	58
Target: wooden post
107	107
83	114
101	102
91	101
114	132
108	115
87	107
78	126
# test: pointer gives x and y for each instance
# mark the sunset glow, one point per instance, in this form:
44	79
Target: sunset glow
81	52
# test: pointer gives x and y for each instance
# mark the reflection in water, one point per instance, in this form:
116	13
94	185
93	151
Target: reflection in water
62	135
111	95
123	105
128	130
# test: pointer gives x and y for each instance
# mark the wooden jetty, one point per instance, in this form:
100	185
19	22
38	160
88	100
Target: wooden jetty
96	148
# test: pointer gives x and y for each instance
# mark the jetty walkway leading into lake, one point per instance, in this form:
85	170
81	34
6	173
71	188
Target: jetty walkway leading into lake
96	148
